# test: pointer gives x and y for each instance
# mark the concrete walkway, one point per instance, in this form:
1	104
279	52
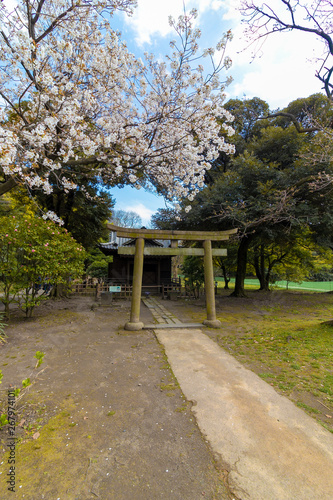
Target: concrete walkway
271	449
164	318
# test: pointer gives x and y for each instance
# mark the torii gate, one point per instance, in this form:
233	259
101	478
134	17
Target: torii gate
140	250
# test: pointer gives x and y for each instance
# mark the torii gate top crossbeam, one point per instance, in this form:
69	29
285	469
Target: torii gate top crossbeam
159	234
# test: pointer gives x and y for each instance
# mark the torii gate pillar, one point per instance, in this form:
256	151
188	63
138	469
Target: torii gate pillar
211	320
134	323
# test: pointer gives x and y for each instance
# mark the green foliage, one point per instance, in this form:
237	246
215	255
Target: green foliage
292	257
278	145
26	383
84	211
97	263
2	330
322	274
98	269
248	115
248	121
35	253
20	391
308	111
40	358
193	272
3	420
17	392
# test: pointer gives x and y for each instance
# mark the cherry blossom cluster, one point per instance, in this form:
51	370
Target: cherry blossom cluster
72	96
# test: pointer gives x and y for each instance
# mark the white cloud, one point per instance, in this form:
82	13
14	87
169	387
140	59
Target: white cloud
10	4
283	68
151	16
231	10
278	71
140	209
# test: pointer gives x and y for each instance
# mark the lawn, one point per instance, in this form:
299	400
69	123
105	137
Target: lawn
286	337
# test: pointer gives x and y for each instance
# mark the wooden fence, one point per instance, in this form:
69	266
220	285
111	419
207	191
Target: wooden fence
93	288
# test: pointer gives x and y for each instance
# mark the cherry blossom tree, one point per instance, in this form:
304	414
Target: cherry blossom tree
73	99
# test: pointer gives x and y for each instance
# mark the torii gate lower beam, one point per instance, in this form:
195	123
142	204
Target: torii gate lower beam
140	235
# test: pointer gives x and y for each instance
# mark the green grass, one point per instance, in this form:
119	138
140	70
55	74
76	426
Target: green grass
308	408
291	359
289	344
311	286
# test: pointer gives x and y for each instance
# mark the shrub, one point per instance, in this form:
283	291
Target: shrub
34	255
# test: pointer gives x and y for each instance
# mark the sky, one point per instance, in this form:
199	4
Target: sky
283	69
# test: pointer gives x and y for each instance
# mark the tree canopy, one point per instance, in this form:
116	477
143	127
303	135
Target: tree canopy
84	212
272	190
73	97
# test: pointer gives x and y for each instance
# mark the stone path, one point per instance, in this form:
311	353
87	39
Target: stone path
163	317
271	448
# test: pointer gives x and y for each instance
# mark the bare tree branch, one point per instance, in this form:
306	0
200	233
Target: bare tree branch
292	118
262	21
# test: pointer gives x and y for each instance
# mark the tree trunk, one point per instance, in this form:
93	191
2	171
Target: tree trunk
6	300
7	185
225	277
241	266
68	207
259	265
267	279
7	311
269	270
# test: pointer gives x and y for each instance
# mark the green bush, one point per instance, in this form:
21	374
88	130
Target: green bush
193	272
34	255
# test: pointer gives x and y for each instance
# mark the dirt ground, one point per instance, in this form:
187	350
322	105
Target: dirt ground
104	417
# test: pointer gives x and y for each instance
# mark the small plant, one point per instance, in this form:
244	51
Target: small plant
307	407
3	417
26	383
39	356
18	392
3	336
3	420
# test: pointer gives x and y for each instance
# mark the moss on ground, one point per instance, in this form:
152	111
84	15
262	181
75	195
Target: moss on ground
48	455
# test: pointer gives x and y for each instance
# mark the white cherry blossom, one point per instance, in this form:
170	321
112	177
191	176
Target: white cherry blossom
72	96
